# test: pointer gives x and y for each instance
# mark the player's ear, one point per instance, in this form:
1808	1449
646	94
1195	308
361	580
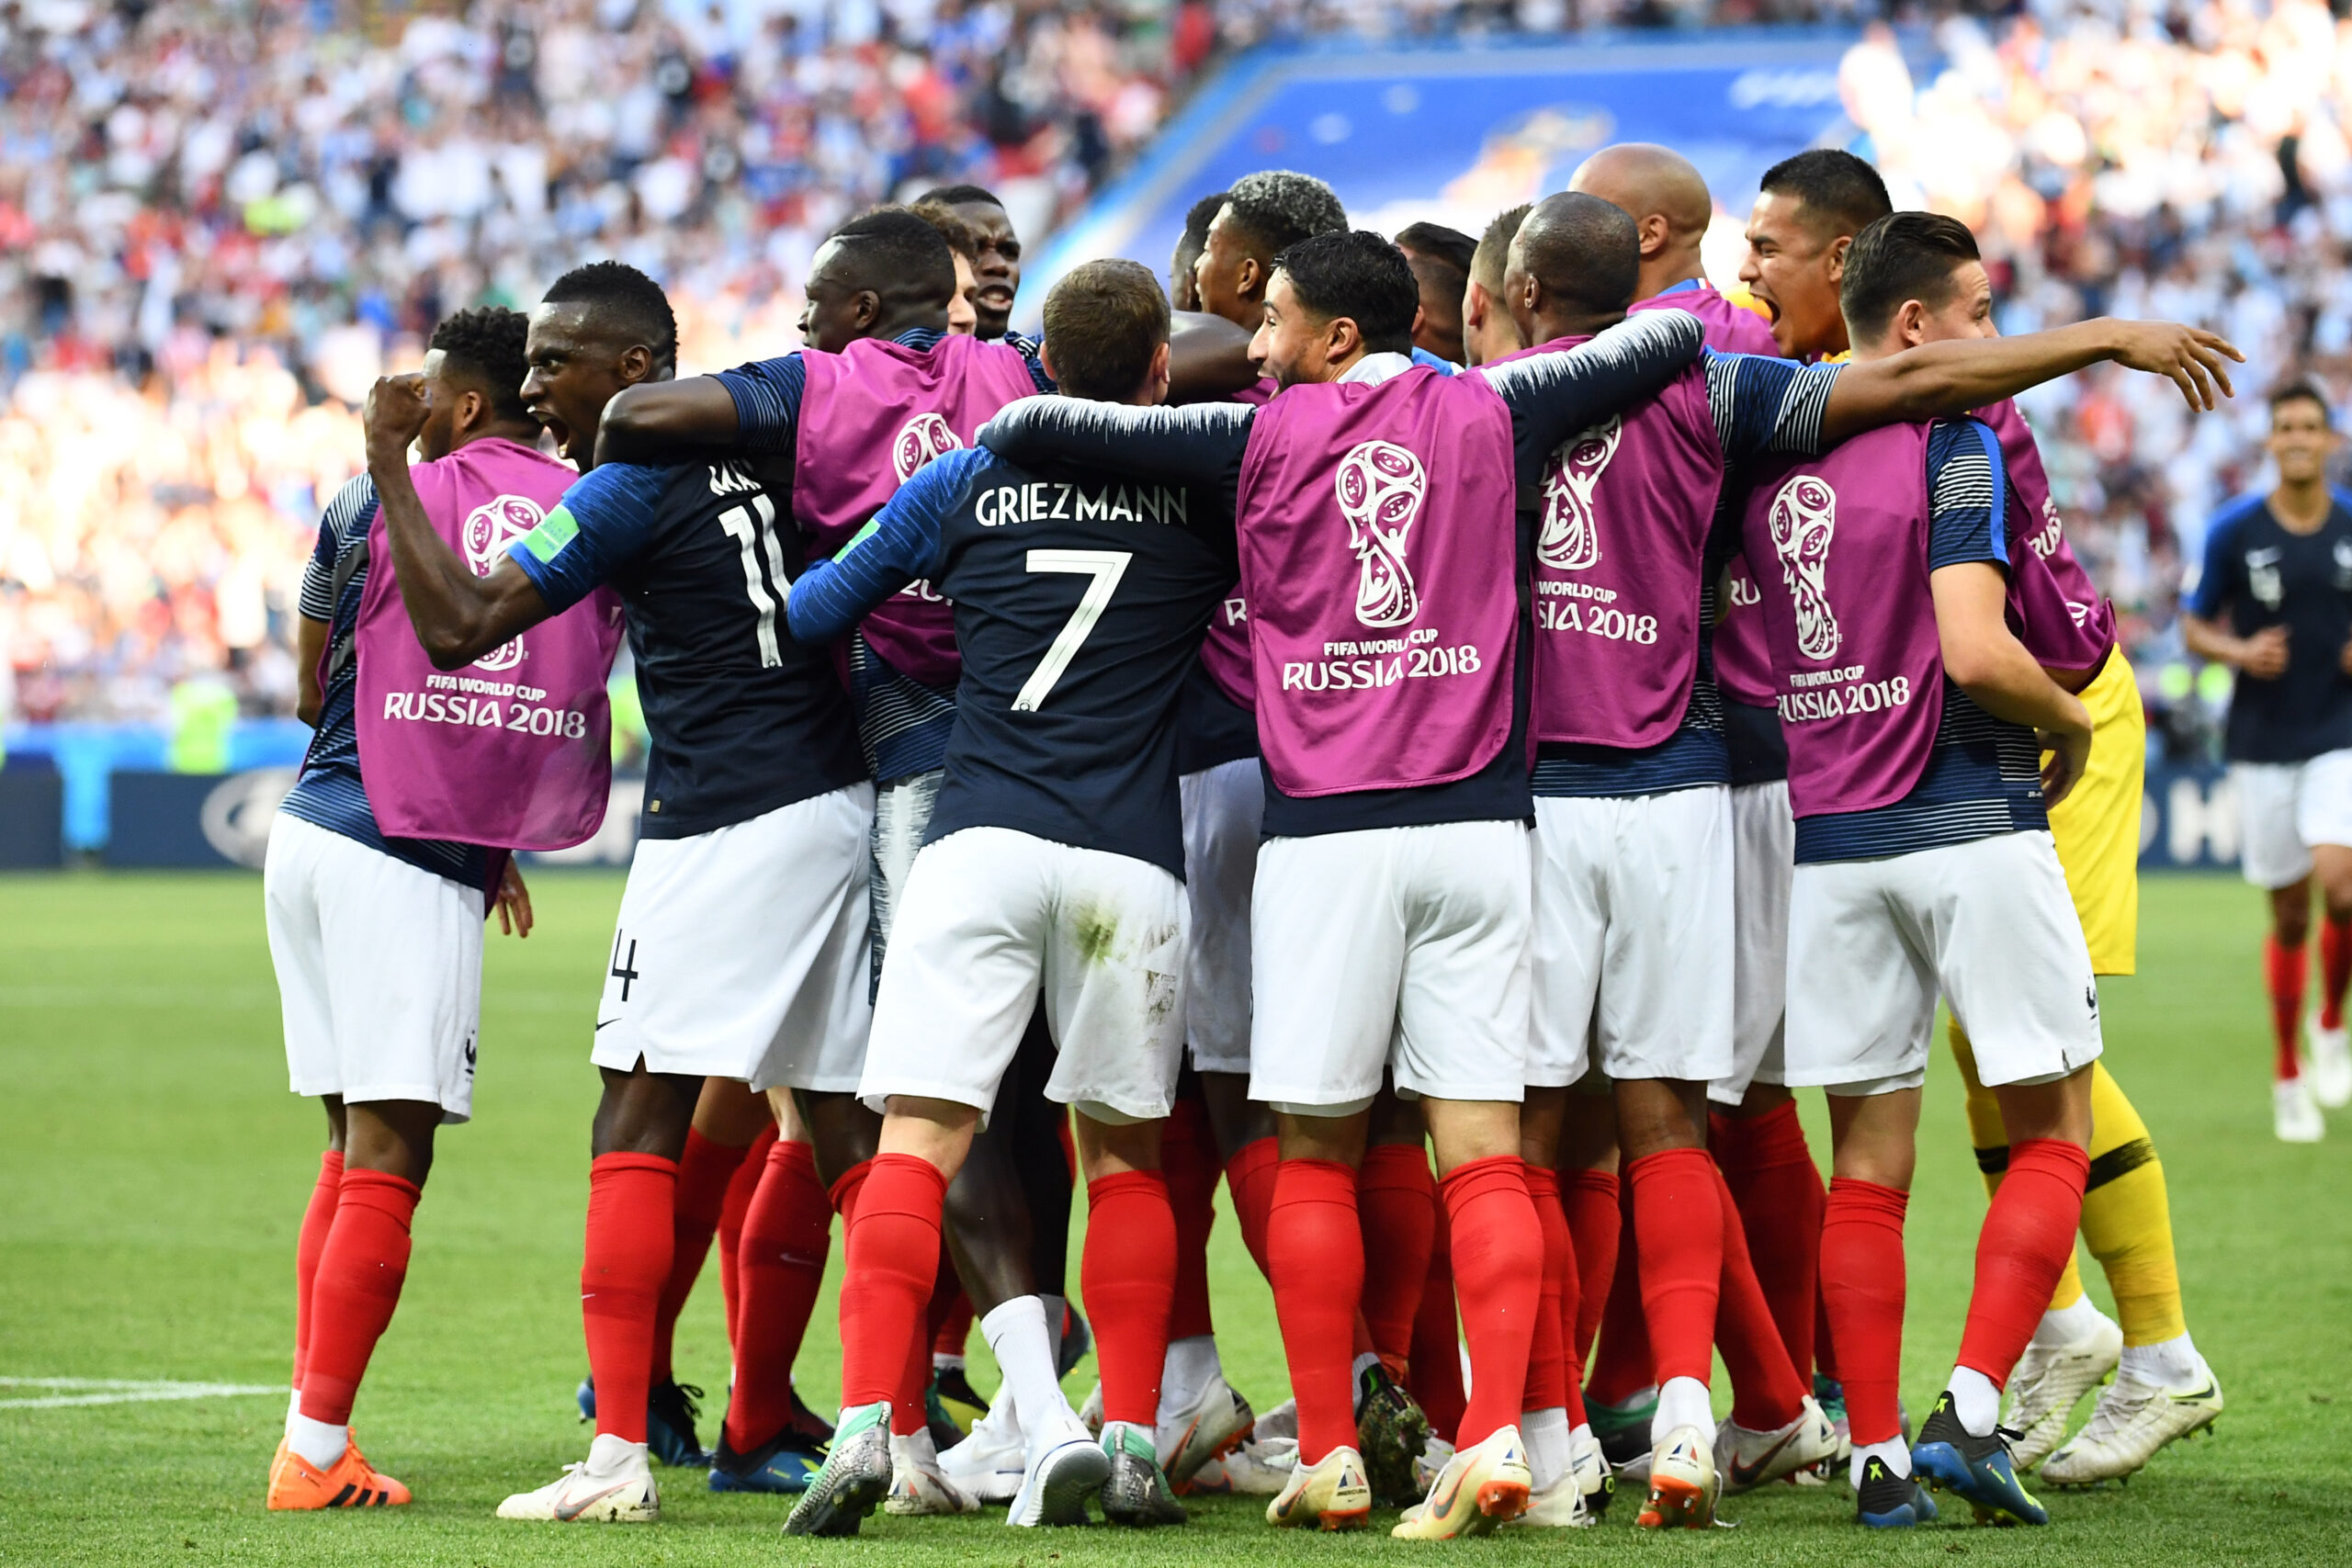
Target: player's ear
637	364
1156	383
1046	358
1249	278
1655	231
1835	256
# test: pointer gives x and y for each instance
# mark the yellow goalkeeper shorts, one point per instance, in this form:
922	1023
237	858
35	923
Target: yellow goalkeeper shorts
2097	825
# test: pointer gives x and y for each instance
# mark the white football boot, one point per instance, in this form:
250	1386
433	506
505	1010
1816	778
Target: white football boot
613	1485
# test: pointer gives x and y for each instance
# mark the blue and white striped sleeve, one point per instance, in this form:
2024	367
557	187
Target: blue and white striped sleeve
353	506
767	403
900	544
1553	396
1967	495
1762	404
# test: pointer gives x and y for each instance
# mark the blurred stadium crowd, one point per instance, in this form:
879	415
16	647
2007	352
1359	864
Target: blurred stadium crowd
220	221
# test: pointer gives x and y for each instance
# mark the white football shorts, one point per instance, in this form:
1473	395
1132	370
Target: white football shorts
1633	949
1988	924
1224	806
741	952
989	916
1763	863
1390	948
2286	807
378	970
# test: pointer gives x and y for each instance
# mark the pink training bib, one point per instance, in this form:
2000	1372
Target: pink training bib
1627	505
870	416
1838	548
514	750
2063	619
1379	558
1731	329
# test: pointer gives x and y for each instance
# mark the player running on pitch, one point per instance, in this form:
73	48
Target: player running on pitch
2274	604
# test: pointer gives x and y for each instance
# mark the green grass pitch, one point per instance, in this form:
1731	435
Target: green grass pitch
154	1171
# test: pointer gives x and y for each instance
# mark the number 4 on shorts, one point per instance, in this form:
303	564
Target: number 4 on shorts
1107	567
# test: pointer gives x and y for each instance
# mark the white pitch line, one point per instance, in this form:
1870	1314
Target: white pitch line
123	1390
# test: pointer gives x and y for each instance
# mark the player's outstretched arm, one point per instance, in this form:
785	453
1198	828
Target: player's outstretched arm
1553	396
1200	444
897	546
1938	381
669	422
458	616
1208	357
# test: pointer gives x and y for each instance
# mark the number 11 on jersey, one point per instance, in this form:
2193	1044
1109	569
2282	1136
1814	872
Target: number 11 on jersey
1107	567
751	538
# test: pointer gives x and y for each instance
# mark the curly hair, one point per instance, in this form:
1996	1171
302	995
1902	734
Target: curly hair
1277	207
484	347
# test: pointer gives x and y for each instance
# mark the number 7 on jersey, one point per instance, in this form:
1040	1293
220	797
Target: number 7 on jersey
1107	567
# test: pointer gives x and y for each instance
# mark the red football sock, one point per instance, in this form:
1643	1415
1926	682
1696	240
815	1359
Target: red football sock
1396	1208
1825	1342
780	1262
1765	1391
2283	971
956	1329
357	1285
2334	971
1128	1274
1316	1247
1498	1270
622	1265
705	1171
1434	1375
740	1188
1621	1360
1863	1286
317	1220
1679	1228
1596	1220
893	1258
909	1411
1547	1362
2027	1236
1776	1188
1250	1182
1188	1161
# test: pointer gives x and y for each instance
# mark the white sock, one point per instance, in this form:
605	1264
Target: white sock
2173	1363
2068	1324
1057	1312
319	1441
916	1446
1976	1401
1895	1450
940	1363
1355	1374
1016	1332
293	1408
1546	1433
1192	1363
1002	1423
611	1455
1682	1401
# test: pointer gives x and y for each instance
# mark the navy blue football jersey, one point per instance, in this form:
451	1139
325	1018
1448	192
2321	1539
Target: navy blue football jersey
1080	598
743	718
2258	574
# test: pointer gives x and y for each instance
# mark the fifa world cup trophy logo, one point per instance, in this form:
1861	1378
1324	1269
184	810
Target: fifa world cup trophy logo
1803	516
1571	537
1380	486
488	529
919	440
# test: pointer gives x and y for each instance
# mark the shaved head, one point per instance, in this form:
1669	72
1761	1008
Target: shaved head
1645	179
1582	249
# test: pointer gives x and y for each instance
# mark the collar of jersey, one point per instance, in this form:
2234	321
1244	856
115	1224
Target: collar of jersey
1375	369
919	338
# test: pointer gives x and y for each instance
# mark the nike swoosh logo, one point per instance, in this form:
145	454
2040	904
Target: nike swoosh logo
1745	1475
572	1511
603	1021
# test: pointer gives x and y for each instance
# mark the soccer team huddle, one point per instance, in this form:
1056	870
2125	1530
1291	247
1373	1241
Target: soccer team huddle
1448	735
